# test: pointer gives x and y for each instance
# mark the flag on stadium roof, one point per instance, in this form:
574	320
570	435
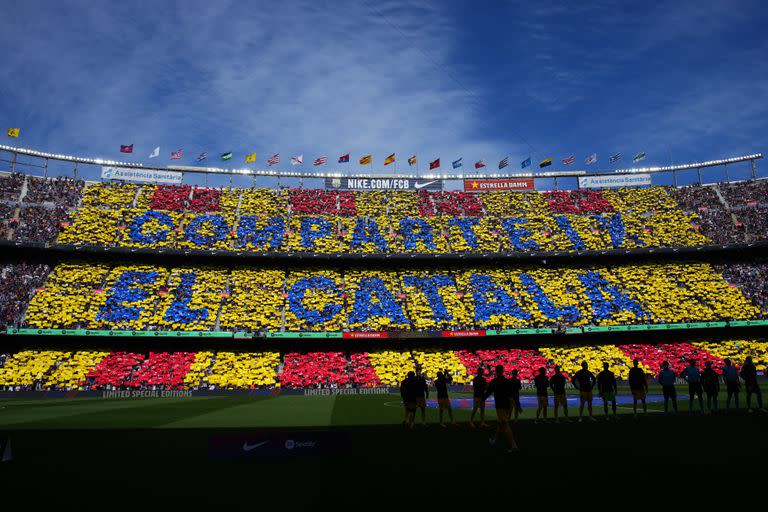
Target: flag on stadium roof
13	132
155	152
176	155
412	160
202	156
615	157
458	163
639	156
525	163
366	160
274	160
297	160
344	159
389	159
591	159
480	164
435	164
545	163
320	161
126	149
250	159
228	156
568	160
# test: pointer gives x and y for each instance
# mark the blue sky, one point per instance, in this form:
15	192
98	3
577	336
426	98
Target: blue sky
681	80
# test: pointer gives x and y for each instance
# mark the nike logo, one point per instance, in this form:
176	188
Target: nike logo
248	447
417	186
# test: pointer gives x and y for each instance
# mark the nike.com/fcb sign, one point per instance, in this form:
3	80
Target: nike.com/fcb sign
123	173
504	184
382	184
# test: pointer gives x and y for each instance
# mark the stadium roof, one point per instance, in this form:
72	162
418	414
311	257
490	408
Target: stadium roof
355	174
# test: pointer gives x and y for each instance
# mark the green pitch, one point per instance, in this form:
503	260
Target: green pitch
246	412
156	450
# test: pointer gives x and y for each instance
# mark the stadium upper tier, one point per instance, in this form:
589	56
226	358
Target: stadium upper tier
92	369
260	220
188	298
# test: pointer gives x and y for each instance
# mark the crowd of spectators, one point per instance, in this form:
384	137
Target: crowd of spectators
18	281
309	220
751	279
10	186
85	370
745	193
190	298
330	221
696	198
61	191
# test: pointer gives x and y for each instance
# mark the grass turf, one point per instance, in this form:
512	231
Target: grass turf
116	442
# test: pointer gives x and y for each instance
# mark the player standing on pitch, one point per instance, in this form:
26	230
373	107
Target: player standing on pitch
751	386
408	394
479	385
585	381
692	376
443	402
667	380
557	383
732	384
542	385
516	387
638	385
422	393
501	389
711	383
606	386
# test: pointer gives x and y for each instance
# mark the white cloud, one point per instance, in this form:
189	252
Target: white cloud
309	77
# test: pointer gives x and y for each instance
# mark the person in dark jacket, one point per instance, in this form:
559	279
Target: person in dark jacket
408	394
479	385
711	383
516	387
557	383
638	385
732	384
422	393
606	386
501	389
443	402
751	386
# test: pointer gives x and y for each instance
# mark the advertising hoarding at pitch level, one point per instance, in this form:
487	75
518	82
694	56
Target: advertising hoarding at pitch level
382	184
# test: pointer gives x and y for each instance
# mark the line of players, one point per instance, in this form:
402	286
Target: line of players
414	392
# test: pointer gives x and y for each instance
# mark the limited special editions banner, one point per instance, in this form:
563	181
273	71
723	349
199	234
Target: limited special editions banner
503	184
124	173
382	184
615	181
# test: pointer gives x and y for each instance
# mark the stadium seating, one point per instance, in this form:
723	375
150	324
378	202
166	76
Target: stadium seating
18	281
192	298
329	221
526	361
208	370
432	361
71	373
173	216
29	368
676	354
231	370
737	351
570	358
